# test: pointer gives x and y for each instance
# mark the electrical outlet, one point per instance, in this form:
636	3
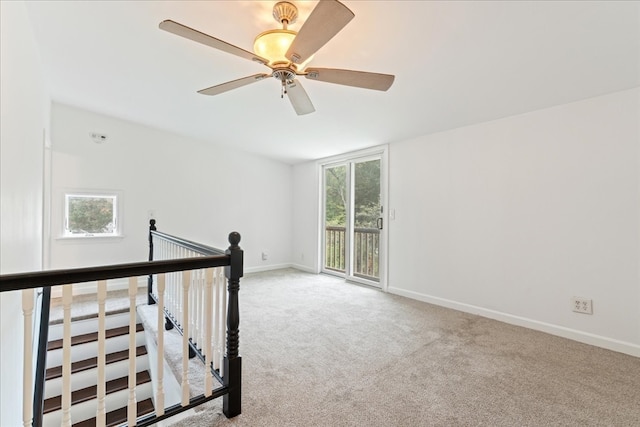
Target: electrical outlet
582	305
264	256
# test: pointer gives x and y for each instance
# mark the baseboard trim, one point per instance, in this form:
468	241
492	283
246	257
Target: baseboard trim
561	331
267	268
304	268
280	267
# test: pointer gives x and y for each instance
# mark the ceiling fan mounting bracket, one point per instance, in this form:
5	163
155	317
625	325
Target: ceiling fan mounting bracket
285	13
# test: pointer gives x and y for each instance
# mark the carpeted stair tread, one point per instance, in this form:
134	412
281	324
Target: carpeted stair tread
83	365
119	416
93	336
88	393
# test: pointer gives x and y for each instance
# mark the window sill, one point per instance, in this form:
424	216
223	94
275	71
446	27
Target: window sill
90	238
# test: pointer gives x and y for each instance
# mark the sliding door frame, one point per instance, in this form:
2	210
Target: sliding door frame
380	152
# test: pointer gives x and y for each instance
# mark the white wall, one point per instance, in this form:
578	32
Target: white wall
23	119
198	191
512	218
306	216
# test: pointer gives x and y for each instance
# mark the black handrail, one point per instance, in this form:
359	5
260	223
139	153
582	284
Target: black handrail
14	282
188	244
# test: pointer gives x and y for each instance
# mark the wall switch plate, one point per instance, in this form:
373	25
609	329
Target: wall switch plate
582	305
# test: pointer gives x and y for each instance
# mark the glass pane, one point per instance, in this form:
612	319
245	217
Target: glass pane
335	194
366	211
90	214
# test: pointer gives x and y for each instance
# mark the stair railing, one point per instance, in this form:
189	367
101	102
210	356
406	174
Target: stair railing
230	375
194	303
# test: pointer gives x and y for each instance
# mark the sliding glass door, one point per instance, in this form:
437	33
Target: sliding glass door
353	219
336	195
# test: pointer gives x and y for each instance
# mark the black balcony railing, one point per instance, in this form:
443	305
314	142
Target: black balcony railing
366	243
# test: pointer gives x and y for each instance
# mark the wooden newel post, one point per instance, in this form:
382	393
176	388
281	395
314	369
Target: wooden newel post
152	227
231	405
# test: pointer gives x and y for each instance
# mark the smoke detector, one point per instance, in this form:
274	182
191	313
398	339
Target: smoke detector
98	138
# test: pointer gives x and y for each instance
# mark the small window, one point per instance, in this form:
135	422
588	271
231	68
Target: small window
91	215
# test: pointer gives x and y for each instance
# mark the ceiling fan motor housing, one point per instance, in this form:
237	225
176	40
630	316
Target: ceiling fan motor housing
284	74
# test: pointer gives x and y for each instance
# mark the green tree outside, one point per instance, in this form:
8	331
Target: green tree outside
91	214
366	183
367	194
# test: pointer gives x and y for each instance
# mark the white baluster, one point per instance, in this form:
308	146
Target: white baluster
132	410
101	412
175	285
208	323
216	319
223	319
186	280
179	293
172	294
197	318
160	394
172	303
167	293
168	298
67	298
27	371
201	300
176	300
193	288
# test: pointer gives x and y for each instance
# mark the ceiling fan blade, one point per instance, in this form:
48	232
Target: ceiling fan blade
299	98
205	39
361	79
325	21
234	84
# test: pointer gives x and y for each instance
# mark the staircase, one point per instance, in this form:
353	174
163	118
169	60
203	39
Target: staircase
84	372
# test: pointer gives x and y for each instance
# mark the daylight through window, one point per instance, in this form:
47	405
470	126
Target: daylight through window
91	215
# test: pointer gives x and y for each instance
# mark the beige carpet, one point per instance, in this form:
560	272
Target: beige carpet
319	352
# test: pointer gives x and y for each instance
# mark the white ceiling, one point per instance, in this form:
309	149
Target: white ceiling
456	63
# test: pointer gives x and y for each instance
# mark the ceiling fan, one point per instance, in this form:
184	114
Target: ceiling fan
286	53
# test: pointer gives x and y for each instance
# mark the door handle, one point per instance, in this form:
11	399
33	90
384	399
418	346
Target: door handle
379	223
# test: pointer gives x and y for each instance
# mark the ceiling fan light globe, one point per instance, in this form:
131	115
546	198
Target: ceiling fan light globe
273	45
